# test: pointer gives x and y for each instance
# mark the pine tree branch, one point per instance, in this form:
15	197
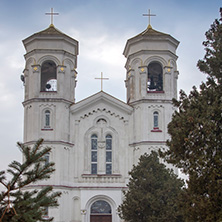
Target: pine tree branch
28	204
3	184
30	157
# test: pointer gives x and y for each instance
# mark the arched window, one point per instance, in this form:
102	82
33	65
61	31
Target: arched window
155	77
155	120
48	76
47	119
100	207
94	154
100	211
108	154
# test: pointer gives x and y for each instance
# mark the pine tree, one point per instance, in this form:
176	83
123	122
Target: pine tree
19	205
152	193
196	136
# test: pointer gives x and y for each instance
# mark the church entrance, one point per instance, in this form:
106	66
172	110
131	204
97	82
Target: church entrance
101	218
100	212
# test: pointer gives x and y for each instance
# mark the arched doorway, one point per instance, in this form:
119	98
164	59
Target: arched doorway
100	211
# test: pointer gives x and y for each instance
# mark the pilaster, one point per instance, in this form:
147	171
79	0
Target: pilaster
143	81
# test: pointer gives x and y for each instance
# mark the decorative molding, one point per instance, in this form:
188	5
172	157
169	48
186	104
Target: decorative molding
46	100
168	70
47	105
156	131
146	143
51	142
143	69
83	212
48	57
155	92
28	107
101	110
47	129
61	69
130	73
101	144
69	61
76	198
101	175
75	73
156	106
136	148
74	187
176	74
136	61
35	68
162	101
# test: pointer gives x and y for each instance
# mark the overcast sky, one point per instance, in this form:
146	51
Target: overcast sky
102	28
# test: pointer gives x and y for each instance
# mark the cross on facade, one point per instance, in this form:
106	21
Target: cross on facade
101	78
149	15
52	14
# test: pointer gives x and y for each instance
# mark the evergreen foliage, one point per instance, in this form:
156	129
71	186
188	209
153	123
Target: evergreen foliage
18	205
196	136
152	192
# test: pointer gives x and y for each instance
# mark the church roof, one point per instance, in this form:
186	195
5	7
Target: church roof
49	32
147	35
150	32
98	98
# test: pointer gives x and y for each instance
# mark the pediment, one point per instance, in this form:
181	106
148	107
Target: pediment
101	102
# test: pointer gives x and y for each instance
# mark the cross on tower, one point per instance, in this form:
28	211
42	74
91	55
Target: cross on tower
101	78
149	15
51	14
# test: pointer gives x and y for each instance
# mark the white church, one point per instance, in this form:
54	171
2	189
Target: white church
96	141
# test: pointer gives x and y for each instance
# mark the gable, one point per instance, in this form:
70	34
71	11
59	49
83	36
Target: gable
101	102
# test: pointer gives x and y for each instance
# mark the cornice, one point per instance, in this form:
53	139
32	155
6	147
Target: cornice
36	100
66	143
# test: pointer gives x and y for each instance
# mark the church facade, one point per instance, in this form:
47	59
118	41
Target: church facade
96	141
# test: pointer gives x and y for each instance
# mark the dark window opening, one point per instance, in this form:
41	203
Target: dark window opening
48	76
47	119
155	119
155	77
94	154
108	154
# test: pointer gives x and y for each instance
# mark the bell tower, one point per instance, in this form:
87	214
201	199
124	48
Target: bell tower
49	80
151	84
151	66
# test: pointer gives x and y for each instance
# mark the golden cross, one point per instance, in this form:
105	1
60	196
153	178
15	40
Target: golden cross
149	15
101	78
51	14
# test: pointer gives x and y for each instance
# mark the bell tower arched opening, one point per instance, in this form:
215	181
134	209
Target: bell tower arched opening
48	76
155	77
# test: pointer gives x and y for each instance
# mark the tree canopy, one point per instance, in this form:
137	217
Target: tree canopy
27	205
196	136
152	192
